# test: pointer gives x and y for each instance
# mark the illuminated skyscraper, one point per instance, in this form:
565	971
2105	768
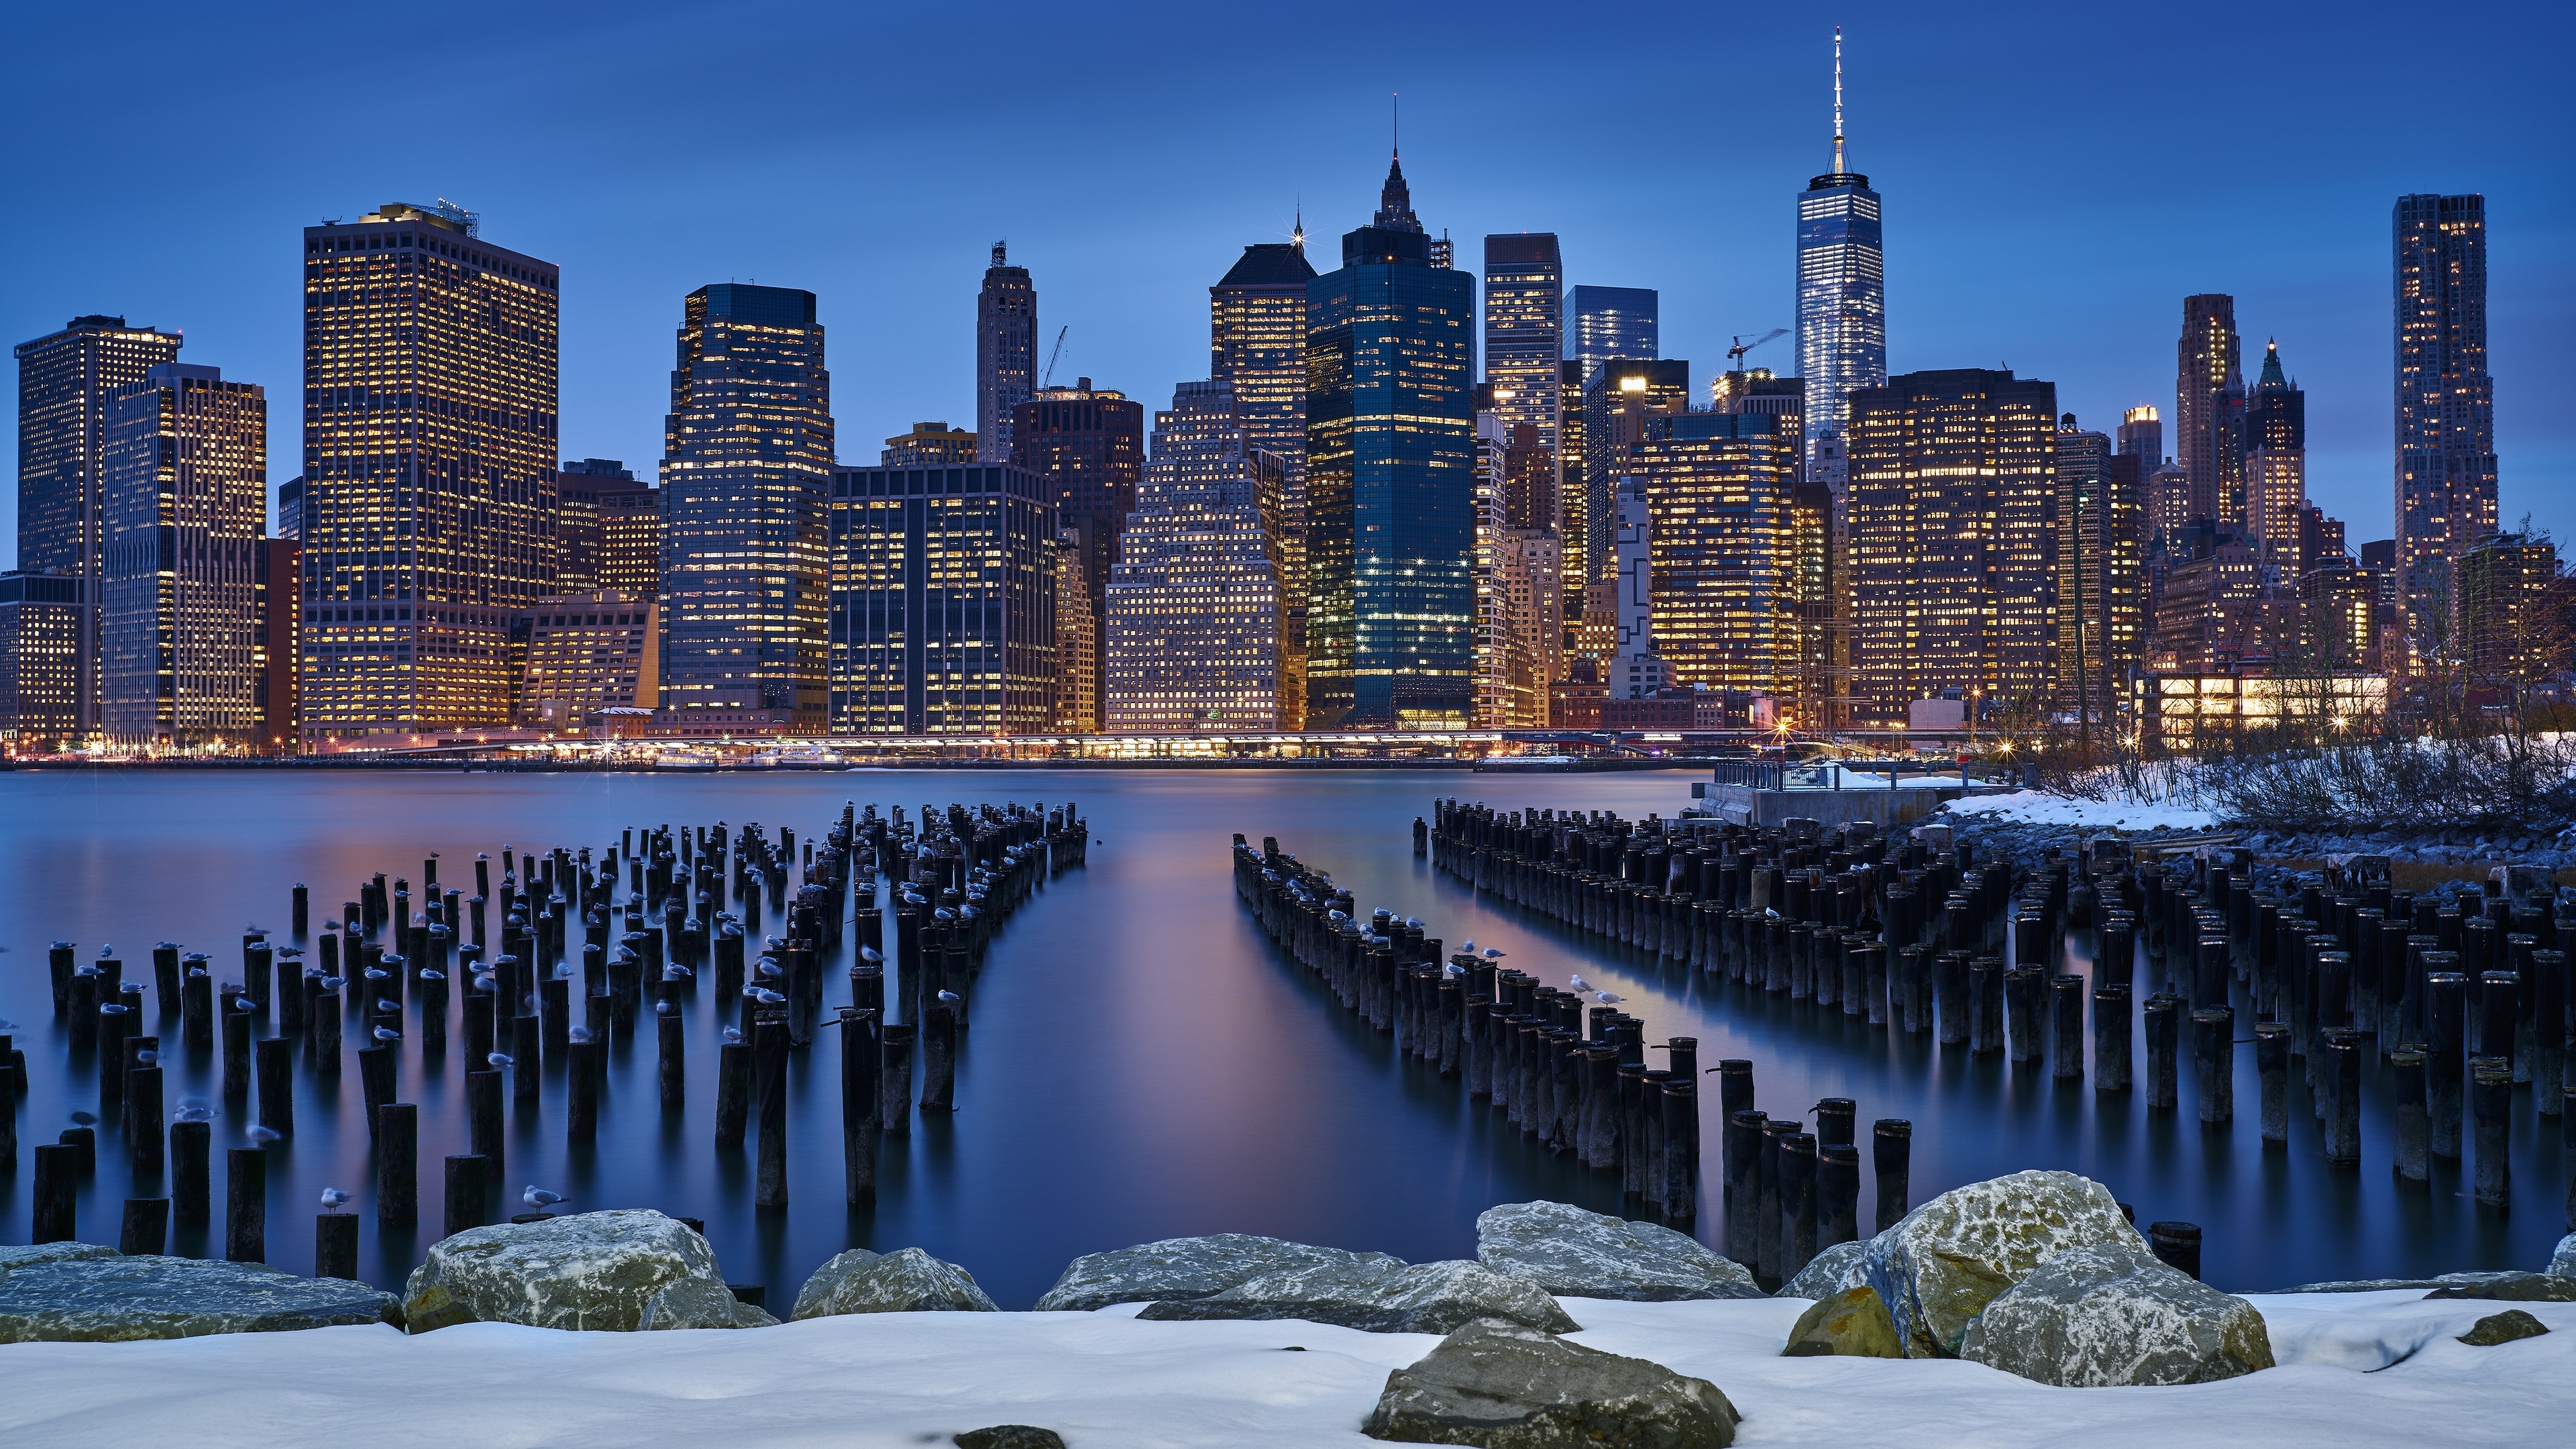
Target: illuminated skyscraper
2446	457
943	601
1621	398
2276	470
2209	441
1953	481
1614	322
429	469
1390	480
928	445
184	512
1257	341
44	632
1194	637
2101	606
278	657
2142	434
1524	330
1717	489
588	490
580	653
1842	296
1087	447
1573	493
1006	353
747	459
65	380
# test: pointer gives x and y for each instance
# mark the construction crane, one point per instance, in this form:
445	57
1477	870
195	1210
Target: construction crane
1053	355
1735	354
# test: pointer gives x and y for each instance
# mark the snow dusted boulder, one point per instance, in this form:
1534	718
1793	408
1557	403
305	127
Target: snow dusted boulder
2110	1316
620	1271
909	1281
1844	1265
1383	1296
1504	1385
2501	1328
2563	1262
80	1293
1851	1324
1009	1436
1566	1250
1940	1264
1178	1269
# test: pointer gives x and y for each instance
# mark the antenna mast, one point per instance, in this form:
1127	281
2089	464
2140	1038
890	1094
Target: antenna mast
1838	100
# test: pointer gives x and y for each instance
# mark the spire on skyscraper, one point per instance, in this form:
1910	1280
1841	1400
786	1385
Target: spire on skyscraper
1395	202
1297	232
2272	374
1838	100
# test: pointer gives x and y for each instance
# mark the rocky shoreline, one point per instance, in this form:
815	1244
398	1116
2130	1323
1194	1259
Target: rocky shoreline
2037	1274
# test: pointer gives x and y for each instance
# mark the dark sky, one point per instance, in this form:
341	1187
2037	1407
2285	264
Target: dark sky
2056	179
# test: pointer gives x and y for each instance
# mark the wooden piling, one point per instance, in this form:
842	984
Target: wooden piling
2272	1070
860	1089
1797	1203
733	1092
2176	1245
938	1057
483	1118
2491	1105
581	1095
397	1165
671	1040
146	1228
335	1245
245	1205
276	1062
466	1188
2213	1050
2445	1056
2164	1043
1891	1162
1740	1187
2413	1156
191	1172
237	1058
770	1173
56	1216
2066	1016
2342	1076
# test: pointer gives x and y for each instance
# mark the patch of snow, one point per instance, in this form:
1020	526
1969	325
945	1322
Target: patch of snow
2040	807
1104	1378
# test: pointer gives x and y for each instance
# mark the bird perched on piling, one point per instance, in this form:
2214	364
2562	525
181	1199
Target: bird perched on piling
1577	982
332	1197
262	1135
386	1033
502	1060
950	998
1608	998
733	1036
1493	953
538	1199
1466	948
244	1003
147	1058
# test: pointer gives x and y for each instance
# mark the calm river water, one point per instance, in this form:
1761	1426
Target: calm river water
1141	1065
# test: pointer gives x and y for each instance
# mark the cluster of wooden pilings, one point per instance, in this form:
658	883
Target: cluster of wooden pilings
1573	1076
2466	1000
576	968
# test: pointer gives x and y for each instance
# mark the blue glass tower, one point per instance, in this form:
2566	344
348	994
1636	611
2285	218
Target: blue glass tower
1390	470
1842	297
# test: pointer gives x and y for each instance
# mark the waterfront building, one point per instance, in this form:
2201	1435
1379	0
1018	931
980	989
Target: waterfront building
65	381
1622	398
430	362
1614	322
1953	484
943	601
2209	441
2101	613
1076	693
2341	600
1006	354
1525	331
2169	503
1257	341
1194	639
2446	457
1716	488
928	445
1573	498
278	646
2514	608
44	637
1390	480
582	653
1087	445
1842	300
747	459
1636	670
589	491
183	513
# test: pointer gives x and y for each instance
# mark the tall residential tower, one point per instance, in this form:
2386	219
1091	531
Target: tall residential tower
2446	458
1006	353
1257	341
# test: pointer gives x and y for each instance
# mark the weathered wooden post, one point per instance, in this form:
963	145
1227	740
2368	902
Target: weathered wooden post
581	1094
1741	1189
191	1173
2066	1016
483	1118
2272	1069
770	1177
335	1245
2177	1245
276	1056
2491	1102
860	1089
2445	1002
245	1205
397	1165
2213	1041
465	1192
56	1217
733	1092
1797	1202
2414	1126
2164	1043
1837	1193
1891	1160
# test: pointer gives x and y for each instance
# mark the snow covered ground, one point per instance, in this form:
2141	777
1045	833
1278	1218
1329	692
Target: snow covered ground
2038	807
2358	1370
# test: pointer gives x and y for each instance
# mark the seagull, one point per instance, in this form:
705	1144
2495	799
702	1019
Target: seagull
262	1135
767	970
1493	953
950	998
390	1007
502	1059
677	973
764	994
663	1008
387	1033
1577	982
83	1119
1607	998
244	1003
733	1035
147	1057
1467	948
1453	969
194	1114
869	955
540	1199
432	973
578	1033
332	1197
329	983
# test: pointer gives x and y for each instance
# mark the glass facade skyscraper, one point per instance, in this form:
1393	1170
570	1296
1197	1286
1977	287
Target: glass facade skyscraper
1842	298
1257	341
429	471
2209	437
2446	457
943	601
746	462
1717	494
1390	480
1615	322
1525	334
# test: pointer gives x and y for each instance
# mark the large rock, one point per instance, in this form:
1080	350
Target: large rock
2382	1285
1844	1265
2111	1315
101	1296
1851	1324
2563	1262
620	1271
907	1281
32	1254
1009	1436
1381	1297
1509	1387
1566	1250
1941	1263
2514	1288
2501	1328
1178	1269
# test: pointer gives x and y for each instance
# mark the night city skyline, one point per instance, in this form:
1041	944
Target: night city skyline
2060	246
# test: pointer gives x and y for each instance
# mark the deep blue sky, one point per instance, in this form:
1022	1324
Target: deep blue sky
2056	179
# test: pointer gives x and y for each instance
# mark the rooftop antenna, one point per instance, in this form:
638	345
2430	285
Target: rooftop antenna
1001	253
1395	99
1838	100
1297	233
